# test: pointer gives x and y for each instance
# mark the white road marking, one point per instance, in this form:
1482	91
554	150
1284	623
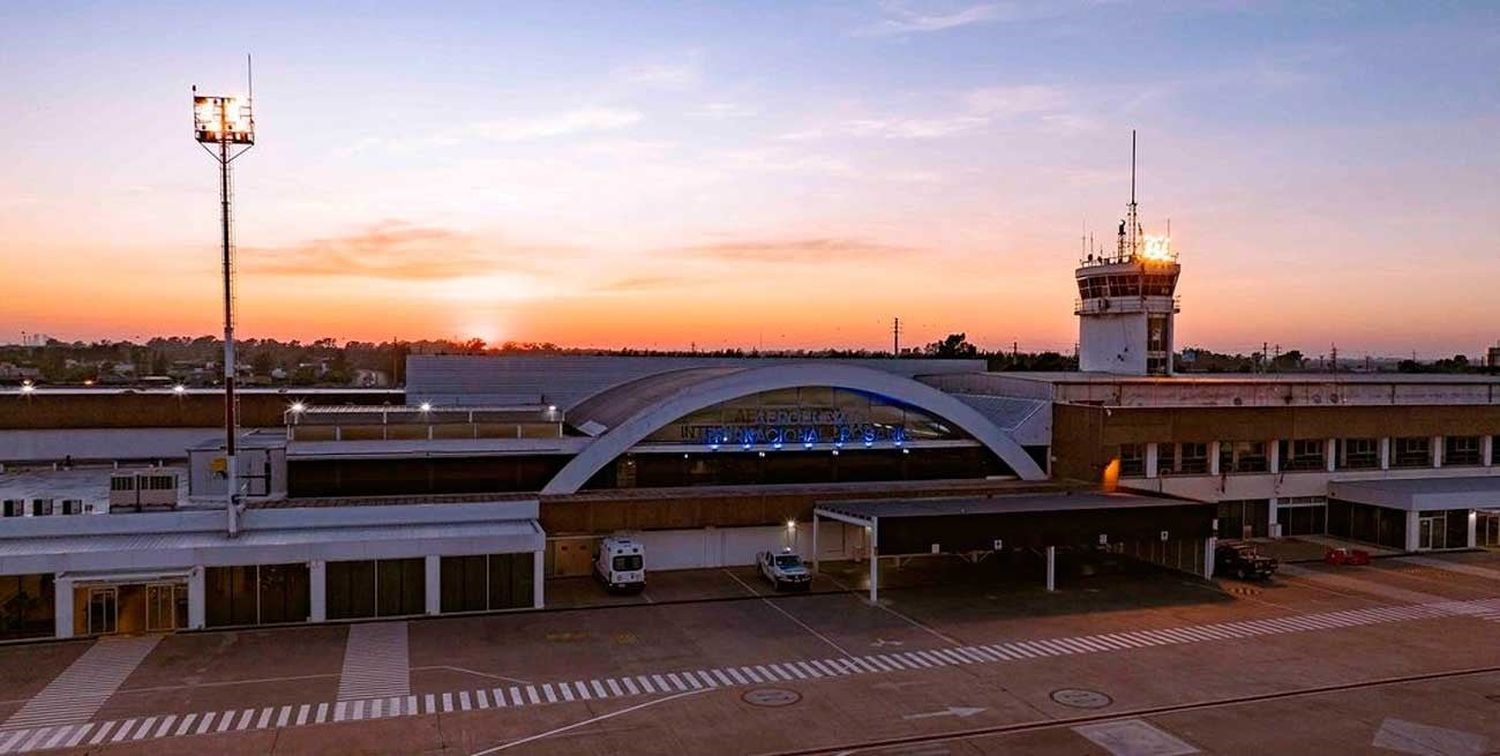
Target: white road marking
78	692
585	722
166	724
79	735
788	615
376	662
683	682
100	735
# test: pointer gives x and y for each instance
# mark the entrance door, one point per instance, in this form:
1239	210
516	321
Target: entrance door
1487	530
1431	533
163	601
104	609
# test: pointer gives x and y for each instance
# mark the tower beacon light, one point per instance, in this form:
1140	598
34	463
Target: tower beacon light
224	126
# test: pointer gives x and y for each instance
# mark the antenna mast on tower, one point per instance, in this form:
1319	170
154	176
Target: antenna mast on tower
1133	221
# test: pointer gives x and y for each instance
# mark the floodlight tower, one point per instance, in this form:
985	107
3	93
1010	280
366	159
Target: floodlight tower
225	128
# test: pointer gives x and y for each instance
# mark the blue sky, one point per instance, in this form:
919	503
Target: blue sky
787	174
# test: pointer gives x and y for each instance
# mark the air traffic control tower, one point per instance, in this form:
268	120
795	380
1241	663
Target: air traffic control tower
1127	300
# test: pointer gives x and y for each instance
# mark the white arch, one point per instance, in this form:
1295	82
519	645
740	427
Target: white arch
722	388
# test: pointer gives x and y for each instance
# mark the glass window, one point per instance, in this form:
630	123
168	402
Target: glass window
229	594
1132	460
1243	457
1411	451
816	415
487	582
351	589
27	606
1358	453
401	587
1303	454
285	594
1192	458
1462	450
627	563
465	583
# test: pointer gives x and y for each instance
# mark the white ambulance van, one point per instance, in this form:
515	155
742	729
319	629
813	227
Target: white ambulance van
621	565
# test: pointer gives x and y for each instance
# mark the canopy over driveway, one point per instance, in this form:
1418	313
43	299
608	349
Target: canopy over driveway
902	527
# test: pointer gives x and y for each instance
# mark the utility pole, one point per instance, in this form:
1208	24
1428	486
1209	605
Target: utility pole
1264	355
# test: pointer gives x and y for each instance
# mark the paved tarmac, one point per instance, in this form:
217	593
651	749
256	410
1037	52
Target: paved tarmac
1402	656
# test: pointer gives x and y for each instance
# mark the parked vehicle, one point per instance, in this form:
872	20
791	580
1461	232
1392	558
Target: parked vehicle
1341	556
621	565
1243	561
784	570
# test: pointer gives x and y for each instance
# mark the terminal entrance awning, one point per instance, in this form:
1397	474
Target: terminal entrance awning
899	527
1421	494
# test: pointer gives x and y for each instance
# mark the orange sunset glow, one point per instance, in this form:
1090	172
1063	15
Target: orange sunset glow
670	195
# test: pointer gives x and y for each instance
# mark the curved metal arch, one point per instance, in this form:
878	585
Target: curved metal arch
722	388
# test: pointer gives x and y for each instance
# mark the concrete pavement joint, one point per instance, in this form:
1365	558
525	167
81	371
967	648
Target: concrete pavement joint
1021	727
803	670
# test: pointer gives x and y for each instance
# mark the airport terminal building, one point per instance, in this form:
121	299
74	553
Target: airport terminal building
486	477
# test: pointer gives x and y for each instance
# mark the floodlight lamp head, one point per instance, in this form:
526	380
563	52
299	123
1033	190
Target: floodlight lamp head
223	120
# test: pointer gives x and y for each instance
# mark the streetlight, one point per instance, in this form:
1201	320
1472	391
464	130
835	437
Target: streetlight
27	387
225	128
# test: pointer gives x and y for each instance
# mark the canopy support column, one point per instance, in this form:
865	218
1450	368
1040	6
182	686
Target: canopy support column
1051	569
815	542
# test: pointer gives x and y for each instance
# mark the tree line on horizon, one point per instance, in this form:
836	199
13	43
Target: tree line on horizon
326	361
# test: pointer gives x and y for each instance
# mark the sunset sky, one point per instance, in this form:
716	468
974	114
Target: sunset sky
754	174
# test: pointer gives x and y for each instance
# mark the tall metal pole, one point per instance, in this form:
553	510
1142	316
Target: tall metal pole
230	424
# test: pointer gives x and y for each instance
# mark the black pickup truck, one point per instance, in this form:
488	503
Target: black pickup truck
1243	561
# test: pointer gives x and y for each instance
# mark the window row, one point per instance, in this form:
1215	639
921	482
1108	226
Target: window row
1310	454
1127	285
261	594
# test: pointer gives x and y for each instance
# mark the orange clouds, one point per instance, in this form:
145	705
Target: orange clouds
396	250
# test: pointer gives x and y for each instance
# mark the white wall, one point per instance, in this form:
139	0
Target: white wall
1112	343
1266	486
107	444
727	547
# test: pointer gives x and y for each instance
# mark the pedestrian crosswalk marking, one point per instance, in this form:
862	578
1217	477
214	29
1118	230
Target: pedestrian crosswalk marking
376	662
77	694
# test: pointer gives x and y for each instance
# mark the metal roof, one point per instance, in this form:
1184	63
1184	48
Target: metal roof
613	406
1263	378
567	379
438	447
1421	494
253	540
1007	412
1036	502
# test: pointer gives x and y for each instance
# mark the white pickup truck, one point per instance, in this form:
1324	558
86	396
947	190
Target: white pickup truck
784	569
